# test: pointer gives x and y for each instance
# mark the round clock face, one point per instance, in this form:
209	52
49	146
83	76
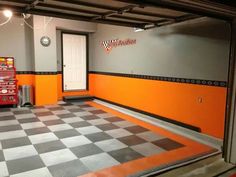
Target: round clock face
45	41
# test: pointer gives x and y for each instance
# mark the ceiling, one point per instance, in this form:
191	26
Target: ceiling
115	12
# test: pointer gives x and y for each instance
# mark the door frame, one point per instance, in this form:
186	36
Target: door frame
87	58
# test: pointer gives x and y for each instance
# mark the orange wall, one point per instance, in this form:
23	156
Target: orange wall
177	101
45	89
25	79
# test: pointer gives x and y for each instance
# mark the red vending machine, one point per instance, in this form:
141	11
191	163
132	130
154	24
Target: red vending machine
8	82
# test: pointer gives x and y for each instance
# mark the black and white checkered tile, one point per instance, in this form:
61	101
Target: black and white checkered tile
68	140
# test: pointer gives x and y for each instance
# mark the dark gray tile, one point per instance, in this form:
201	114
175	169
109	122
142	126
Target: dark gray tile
86	150
80	124
22	112
65	104
28	120
56	108
5	110
49	146
125	155
114	119
53	122
10	128
85	106
168	144
69	115
136	129
37	107
95	137
1	156
71	169
131	140
15	142
35	131
66	133
24	164
97	112
40	114
106	127
90	117
76	110
7	118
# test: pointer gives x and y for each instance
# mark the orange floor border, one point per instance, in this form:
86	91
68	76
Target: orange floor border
192	148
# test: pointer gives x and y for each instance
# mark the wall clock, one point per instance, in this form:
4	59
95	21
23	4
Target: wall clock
45	41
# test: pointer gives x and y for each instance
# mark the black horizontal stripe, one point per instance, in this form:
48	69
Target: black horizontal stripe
39	72
168	79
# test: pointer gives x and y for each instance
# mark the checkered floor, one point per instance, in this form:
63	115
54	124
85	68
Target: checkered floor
68	140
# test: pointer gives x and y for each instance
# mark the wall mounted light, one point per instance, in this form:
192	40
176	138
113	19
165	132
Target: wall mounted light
7	13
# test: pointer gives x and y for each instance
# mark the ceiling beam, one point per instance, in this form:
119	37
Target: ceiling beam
198	7
70	16
33	4
112	8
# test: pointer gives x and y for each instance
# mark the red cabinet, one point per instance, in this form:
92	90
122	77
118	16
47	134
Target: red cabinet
8	82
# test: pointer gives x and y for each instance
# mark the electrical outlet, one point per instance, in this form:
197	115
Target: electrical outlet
200	99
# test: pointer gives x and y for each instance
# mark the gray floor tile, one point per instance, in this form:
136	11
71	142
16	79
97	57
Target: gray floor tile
75	141
73	120
118	133
40	114
132	140
25	116
150	136
3	169
136	129
10	128
147	149
85	106
99	161
31	125
110	145
57	157
49	146
108	126
125	155
3	114
8	122
19	152
42	138
95	137
90	117
75	110
35	131
114	119
40	172
98	111
53	122
10	117
28	120
80	124
98	122
50	117
15	142
56	108
88	130
22	112
86	150
168	144
12	134
1	156
68	169
24	164
124	124
60	127
67	133
68	115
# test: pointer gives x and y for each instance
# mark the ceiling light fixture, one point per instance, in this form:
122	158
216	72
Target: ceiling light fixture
7	13
138	29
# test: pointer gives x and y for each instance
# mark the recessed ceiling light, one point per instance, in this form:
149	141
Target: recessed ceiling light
7	13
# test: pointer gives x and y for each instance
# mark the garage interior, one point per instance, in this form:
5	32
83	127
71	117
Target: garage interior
118	88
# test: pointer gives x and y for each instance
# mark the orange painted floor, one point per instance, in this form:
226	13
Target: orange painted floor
192	149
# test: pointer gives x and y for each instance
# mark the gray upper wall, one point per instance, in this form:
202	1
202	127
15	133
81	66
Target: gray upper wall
197	49
16	41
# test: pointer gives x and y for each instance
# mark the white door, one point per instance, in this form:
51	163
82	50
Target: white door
74	62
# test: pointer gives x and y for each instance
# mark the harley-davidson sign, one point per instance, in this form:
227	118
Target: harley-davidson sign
108	45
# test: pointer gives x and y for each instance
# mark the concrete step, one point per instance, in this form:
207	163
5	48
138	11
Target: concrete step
78	98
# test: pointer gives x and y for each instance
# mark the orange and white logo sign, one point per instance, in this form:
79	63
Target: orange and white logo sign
108	45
